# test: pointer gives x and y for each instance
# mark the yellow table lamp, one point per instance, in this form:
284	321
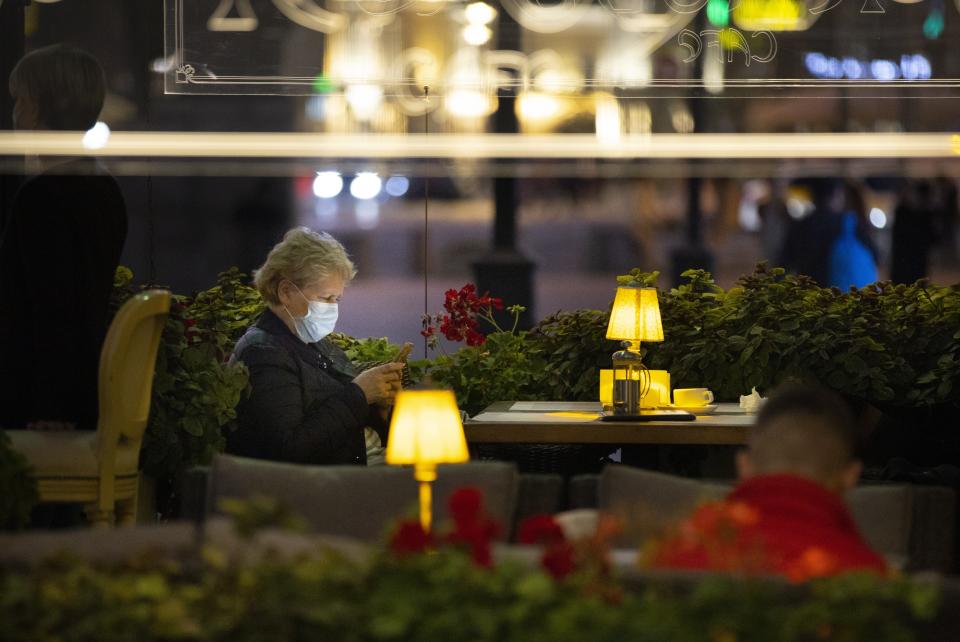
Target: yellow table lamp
635	317
425	431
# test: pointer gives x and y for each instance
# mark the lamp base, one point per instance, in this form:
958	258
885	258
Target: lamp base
426	475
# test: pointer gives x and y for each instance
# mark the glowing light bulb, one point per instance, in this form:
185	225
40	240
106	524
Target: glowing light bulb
397	185
365	185
718	12
97	136
607	119
533	105
327	184
479	13
476	35
467	103
364	100
878	218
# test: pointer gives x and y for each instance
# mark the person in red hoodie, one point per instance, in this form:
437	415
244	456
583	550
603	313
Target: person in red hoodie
787	515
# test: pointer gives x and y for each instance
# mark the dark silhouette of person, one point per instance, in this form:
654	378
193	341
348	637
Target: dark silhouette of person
810	246
809	240
913	232
58	253
949	214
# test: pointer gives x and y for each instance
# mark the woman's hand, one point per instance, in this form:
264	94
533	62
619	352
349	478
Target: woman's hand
380	384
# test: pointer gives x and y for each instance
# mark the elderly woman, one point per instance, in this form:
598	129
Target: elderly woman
308	404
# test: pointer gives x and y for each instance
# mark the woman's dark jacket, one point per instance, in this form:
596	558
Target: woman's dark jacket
303	406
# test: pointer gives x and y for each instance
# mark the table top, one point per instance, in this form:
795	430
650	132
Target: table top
556	422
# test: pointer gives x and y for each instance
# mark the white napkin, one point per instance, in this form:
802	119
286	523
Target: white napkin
751	403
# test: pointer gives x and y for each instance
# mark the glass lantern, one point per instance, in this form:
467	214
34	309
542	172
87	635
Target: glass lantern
631	380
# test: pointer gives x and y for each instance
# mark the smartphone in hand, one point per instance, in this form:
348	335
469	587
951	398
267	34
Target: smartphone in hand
401	356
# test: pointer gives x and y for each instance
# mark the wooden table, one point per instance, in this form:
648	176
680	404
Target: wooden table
503	423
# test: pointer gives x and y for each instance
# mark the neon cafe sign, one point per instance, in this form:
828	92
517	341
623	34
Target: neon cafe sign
909	67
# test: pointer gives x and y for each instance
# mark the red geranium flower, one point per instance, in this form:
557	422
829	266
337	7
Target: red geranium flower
463	310
450	329
539	529
559	556
409	538
472	528
559	559
813	562
486	301
465	504
475	537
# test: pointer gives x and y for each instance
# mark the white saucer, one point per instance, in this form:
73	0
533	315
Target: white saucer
698	410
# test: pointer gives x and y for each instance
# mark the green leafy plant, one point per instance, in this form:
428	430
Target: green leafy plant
889	345
226	310
376	350
574	347
874	343
18	490
261	511
502	368
195	389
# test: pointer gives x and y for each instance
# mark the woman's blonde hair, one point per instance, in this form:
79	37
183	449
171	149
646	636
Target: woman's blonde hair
303	256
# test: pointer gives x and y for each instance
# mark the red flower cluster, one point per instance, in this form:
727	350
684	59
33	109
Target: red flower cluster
472	529
812	563
460	323
410	539
719	520
539	529
718	535
559	555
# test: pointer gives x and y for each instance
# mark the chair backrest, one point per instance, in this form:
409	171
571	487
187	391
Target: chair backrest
359	501
127	363
650	502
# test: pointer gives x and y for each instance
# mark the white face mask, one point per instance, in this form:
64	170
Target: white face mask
319	321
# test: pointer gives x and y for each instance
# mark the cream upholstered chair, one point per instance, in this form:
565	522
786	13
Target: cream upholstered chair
101	469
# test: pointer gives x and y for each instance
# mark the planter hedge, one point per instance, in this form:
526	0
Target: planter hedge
430	597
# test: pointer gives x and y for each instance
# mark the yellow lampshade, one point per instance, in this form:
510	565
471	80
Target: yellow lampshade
635	315
426	429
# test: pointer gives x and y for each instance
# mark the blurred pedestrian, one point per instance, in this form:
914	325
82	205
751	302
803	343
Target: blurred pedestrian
913	233
853	257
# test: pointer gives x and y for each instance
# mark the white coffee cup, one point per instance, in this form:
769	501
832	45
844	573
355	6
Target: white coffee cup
692	397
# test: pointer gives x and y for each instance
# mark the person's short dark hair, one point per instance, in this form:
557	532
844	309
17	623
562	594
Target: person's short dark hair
66	84
803	429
